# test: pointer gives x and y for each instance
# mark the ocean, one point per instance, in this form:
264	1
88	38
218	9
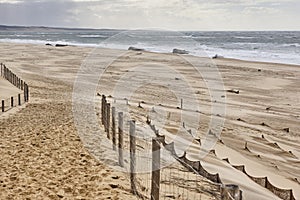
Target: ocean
276	47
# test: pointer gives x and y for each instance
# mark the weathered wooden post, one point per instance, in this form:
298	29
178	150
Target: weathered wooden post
10	75
22	85
3	108
27	92
24	93
181	105
105	114
4	71
120	121
132	157
18	82
12	101
14	79
7	73
108	120
155	184
1	69
113	121
102	108
19	99
231	192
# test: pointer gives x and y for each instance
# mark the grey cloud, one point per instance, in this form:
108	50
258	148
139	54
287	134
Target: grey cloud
175	14
49	13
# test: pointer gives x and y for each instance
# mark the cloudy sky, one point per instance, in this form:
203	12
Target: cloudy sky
165	14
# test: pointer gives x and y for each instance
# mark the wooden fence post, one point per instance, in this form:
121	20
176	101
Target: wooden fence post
132	157
108	120
18	82
3	108
14	79
113	119
10	76
22	85
104	114
19	99
120	121
155	184
12	101
231	192
4	71
181	106
27	92
102	108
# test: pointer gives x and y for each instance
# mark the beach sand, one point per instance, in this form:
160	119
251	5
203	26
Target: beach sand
43	157
7	89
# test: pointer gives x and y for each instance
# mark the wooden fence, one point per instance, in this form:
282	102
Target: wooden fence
157	178
284	194
19	99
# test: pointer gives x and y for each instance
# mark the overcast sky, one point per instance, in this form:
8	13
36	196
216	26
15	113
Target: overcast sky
165	14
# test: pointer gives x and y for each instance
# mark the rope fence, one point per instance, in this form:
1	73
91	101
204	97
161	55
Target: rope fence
16	100
146	154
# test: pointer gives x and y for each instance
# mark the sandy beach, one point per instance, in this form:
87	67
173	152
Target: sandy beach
43	156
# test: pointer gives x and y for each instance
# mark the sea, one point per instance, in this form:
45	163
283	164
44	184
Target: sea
266	46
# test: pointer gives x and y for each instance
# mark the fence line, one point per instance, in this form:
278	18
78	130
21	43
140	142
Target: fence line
9	103
264	182
171	182
286	194
228	192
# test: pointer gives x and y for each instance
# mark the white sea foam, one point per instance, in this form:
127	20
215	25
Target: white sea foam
275	47
28	41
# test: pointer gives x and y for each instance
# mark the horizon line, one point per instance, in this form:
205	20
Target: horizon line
133	29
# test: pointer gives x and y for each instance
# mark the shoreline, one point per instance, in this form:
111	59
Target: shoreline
96	46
